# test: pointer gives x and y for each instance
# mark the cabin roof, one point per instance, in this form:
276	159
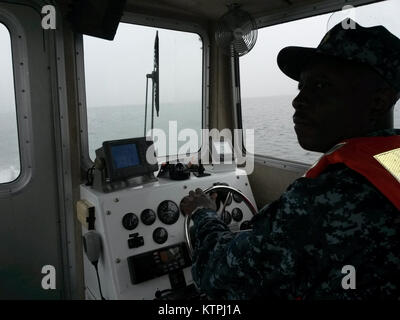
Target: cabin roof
213	9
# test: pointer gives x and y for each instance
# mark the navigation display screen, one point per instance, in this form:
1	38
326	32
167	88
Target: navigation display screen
125	155
128	158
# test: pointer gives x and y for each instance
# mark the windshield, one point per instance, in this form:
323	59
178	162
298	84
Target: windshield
116	73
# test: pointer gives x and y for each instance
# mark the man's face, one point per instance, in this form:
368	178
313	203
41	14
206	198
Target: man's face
332	104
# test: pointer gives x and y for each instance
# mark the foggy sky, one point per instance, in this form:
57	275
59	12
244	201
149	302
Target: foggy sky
116	71
7	98
259	72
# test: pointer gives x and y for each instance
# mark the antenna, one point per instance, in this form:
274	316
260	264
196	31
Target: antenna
155	76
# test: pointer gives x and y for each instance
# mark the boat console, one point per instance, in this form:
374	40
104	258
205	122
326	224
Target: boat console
145	251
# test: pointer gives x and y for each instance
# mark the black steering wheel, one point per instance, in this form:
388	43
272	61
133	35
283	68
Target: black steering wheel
230	191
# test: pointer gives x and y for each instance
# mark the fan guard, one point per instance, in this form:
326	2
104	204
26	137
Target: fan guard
236	32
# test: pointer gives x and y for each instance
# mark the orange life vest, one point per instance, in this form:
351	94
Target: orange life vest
376	158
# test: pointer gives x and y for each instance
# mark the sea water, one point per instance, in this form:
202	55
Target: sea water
270	117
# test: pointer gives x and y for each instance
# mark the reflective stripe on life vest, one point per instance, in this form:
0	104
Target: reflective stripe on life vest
375	158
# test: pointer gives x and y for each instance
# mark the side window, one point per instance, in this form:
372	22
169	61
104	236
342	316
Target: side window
267	94
10	167
115	78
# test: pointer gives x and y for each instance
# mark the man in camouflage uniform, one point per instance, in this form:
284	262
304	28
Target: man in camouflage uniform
299	244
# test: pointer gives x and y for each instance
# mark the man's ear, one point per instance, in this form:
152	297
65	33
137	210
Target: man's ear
382	101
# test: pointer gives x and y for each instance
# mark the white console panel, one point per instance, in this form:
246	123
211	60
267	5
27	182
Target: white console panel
110	209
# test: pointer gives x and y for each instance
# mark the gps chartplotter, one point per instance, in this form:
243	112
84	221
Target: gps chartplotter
119	161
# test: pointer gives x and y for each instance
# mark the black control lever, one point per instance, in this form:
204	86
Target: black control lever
199	170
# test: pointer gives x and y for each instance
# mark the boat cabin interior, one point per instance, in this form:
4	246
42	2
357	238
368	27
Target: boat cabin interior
112	111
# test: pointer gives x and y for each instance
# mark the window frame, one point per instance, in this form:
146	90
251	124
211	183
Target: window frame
22	93
265	21
149	21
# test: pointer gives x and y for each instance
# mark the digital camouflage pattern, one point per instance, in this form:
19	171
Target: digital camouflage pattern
300	243
374	46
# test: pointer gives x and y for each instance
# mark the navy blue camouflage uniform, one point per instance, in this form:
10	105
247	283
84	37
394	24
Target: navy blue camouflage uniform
300	243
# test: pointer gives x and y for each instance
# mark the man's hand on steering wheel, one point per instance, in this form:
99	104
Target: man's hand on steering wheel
197	199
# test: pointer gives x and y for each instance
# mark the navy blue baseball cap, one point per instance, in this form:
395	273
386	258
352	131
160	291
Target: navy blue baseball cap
372	46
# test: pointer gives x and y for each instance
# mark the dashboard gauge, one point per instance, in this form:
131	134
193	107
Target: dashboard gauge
168	212
130	221
237	214
237	198
226	217
246	225
160	235
148	217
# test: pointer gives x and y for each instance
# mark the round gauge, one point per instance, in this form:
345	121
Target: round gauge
148	217
168	212
130	221
160	235
226	217
237	214
237	198
246	225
